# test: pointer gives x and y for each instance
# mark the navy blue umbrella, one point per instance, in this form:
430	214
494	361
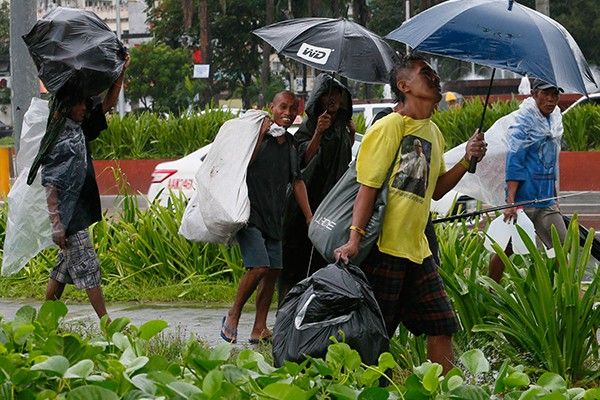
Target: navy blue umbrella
500	34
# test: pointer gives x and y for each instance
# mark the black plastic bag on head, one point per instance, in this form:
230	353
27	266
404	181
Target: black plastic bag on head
334	299
75	49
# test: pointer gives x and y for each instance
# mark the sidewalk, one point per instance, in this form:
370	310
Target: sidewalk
184	320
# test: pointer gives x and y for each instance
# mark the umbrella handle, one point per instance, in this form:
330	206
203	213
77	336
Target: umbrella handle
474	160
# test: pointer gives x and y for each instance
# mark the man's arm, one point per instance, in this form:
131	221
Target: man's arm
264	128
302	199
511	189
110	100
323	123
361	213
476	147
58	230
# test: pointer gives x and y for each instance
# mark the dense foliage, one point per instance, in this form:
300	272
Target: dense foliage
40	361
541	316
148	136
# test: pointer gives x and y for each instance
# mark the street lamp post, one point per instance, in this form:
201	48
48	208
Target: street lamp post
121	102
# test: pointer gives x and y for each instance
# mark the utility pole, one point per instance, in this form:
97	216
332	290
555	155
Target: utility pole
24	80
121	102
543	6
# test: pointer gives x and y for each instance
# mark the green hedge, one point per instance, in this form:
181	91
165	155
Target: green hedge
148	136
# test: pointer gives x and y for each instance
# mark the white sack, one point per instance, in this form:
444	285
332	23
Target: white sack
28	229
220	206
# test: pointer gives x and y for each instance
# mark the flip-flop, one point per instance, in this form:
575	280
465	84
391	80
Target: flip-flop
226	330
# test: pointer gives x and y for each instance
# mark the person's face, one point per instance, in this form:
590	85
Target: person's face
331	101
418	149
77	113
422	82
546	100
284	110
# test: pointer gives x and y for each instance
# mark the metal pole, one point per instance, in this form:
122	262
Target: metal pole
121	103
407	17
24	80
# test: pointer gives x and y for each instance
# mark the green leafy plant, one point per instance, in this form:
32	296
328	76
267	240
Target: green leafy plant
544	311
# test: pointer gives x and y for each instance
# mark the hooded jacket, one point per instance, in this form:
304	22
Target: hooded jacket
335	151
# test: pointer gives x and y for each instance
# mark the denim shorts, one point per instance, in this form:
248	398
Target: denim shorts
259	250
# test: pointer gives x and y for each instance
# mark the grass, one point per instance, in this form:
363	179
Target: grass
8	141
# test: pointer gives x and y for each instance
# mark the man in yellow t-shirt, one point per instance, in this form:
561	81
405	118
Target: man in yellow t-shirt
400	268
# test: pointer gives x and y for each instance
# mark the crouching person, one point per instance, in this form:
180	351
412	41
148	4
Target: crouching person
272	167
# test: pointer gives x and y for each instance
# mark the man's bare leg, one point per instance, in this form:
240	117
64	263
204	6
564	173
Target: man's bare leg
54	290
97	300
439	350
248	285
264	297
497	266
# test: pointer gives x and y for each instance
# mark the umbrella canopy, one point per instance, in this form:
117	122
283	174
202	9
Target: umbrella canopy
500	34
75	47
333	45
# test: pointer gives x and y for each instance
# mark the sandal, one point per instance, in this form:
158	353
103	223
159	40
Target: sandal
268	338
225	330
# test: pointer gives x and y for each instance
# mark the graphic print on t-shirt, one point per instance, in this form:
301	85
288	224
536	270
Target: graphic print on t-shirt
413	171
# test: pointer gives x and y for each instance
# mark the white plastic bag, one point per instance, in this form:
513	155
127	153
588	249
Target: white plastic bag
501	232
28	229
220	206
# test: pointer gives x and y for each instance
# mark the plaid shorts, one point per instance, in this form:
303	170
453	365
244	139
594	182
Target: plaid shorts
410	293
78	263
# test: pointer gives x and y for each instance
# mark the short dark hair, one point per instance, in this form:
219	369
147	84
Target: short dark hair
284	93
406	62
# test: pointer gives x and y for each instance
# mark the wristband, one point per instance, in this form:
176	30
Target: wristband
466	164
358	230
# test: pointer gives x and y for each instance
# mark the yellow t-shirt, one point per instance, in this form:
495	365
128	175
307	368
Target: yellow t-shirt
414	175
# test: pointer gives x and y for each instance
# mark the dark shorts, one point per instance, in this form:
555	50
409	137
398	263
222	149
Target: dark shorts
259	250
410	293
78	263
543	219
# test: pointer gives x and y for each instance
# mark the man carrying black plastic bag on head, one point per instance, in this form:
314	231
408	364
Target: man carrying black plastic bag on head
335	301
74	120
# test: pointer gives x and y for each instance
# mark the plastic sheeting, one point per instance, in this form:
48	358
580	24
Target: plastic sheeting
220	206
75	47
335	301
488	183
28	229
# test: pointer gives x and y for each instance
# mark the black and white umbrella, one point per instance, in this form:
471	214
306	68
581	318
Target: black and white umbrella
333	45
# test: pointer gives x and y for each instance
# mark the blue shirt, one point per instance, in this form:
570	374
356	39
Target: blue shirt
532	161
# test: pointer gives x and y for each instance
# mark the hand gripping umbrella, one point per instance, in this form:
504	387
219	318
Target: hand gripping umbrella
75	48
499	34
333	45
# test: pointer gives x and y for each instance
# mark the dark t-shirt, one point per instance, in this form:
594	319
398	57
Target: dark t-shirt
275	166
87	208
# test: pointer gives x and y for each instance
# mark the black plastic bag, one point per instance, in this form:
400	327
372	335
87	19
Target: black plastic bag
76	50
334	299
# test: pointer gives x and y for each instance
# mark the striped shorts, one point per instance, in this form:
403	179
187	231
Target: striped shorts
78	263
410	293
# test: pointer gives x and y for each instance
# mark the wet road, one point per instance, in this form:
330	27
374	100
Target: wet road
184	319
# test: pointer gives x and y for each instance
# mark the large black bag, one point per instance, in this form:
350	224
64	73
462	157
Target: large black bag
75	48
333	300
